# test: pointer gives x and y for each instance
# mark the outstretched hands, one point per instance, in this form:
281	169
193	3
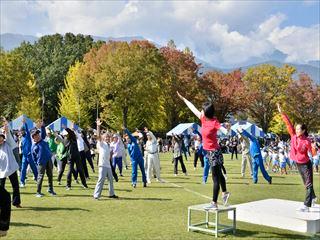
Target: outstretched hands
98	121
180	96
279	108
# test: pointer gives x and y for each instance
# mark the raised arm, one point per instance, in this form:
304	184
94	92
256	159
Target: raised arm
287	121
246	134
9	138
190	106
132	138
98	129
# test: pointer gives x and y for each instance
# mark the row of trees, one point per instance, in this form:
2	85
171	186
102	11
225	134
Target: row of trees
135	84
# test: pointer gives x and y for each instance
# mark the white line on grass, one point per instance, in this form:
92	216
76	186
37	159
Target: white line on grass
187	189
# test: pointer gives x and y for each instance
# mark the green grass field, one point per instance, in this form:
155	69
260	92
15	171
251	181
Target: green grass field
156	212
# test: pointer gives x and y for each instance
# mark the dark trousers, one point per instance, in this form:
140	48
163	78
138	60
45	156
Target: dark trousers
306	173
89	158
63	167
84	165
5	209
184	170
234	150
198	155
15	187
71	170
42	169
218	180
114	174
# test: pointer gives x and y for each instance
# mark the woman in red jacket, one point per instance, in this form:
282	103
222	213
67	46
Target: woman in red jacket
300	146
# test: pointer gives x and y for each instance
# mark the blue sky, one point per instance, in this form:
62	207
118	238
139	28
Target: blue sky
223	33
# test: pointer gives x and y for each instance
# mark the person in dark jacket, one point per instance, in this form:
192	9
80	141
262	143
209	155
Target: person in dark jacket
73	154
5	211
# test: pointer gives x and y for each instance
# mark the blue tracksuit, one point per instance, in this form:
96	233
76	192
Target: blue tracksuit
40	151
256	156
27	159
206	166
136	158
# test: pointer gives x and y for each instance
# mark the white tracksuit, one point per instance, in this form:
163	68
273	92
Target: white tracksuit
152	158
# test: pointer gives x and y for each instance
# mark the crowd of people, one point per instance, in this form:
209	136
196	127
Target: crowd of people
41	151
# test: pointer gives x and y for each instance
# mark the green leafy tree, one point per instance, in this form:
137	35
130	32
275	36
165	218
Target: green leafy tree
13	84
265	86
49	60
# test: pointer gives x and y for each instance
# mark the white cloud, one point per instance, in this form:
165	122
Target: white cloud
223	33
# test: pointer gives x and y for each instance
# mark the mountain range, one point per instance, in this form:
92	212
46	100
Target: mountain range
9	41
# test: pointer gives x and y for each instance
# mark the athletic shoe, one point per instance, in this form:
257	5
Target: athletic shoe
144	184
22	185
270	181
175	174
242	174
313	203
59	183
134	185
304	208
96	198
225	198
113	196
212	206
84	186
68	188
52	193
39	195
149	182
204	183
121	175
18	206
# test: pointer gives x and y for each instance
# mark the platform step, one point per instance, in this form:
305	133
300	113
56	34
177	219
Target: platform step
279	213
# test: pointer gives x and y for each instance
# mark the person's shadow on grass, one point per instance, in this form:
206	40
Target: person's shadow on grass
17	224
44	209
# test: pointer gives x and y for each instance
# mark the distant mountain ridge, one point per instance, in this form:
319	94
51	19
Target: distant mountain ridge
9	41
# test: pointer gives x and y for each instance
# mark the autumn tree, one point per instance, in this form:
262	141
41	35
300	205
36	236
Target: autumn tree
303	102
182	76
265	86
225	90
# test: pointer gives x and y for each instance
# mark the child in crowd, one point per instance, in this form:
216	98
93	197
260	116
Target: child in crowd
283	162
275	160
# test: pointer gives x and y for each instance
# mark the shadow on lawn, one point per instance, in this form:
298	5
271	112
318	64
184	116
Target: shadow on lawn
145	199
267	235
45	209
17	224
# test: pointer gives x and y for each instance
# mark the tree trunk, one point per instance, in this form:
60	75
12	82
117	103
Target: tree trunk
125	115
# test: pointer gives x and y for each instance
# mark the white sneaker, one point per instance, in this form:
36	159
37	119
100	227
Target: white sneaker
225	198
212	206
314	201
148	181
304	208
175	175
22	185
225	177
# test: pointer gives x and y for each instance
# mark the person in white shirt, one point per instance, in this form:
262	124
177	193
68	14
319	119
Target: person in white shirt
152	156
117	150
104	164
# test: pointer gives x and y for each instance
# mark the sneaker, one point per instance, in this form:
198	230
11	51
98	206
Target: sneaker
113	196
212	206
126	167
121	175
304	208
270	181
52	193
96	198
175	174
242	175
149	182
18	206
225	198
203	182
22	185
39	195
194	168
59	183
134	185
85	186
77	181
314	201
68	188
144	184
3	233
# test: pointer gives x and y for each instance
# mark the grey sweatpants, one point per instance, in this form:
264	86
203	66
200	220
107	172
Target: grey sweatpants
245	158
104	173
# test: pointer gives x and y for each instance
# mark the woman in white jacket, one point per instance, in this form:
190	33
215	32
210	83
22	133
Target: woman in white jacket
8	163
152	157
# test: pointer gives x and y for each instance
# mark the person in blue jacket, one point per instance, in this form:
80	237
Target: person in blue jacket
42	155
136	158
27	159
257	161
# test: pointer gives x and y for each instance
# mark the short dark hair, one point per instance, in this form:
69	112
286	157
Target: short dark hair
305	128
208	109
35	132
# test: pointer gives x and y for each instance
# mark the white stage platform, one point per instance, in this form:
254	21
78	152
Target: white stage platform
279	213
